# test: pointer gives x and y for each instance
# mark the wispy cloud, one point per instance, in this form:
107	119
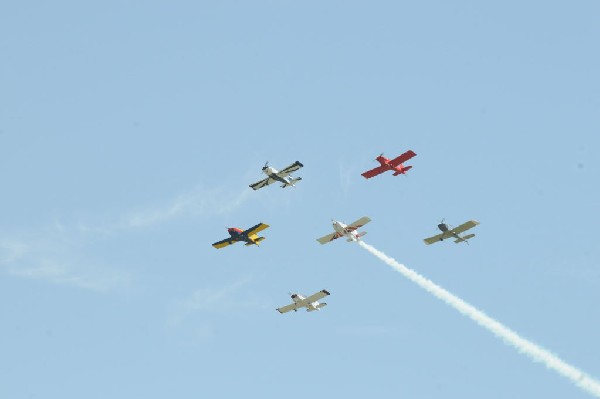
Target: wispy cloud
192	313
347	174
217	300
56	252
196	203
54	260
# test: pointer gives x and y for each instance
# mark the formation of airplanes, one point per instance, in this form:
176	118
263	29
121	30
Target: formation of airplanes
350	232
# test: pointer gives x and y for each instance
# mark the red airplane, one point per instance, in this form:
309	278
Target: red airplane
395	164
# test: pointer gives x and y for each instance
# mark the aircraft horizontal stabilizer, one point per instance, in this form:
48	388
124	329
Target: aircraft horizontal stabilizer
292	182
465	238
256	240
318	307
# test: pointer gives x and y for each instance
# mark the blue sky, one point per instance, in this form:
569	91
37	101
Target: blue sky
129	132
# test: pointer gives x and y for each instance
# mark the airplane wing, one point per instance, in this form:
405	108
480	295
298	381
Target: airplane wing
223	243
358	224
329	237
316	297
255	229
435	238
402	158
262	183
374	172
465	226
292	168
287	308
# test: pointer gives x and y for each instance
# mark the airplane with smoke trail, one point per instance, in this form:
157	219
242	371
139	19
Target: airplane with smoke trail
342	230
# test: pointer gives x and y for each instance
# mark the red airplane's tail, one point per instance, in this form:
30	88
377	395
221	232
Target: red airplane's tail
404	170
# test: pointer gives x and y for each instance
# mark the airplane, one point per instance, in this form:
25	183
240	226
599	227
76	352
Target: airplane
311	303
448	232
395	164
349	231
249	236
282	176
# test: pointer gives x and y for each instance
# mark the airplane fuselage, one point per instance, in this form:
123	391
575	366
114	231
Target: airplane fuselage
400	169
444	228
273	174
342	228
239	235
298	298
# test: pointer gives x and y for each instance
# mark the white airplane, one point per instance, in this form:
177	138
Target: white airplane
348	231
311	303
282	176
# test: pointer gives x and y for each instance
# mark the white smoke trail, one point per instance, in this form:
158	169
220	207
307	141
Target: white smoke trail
535	352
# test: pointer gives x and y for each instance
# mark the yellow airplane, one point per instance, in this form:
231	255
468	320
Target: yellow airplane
249	236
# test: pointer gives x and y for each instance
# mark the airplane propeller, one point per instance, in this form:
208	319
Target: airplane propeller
450	227
380	155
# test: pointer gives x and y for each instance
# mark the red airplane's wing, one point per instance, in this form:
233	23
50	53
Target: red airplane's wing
402	158
374	172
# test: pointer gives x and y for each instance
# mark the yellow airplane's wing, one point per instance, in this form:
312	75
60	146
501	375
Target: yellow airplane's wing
223	243
255	229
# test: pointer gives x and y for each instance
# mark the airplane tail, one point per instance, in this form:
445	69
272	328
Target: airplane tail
318	307
357	237
291	183
256	241
464	239
404	170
